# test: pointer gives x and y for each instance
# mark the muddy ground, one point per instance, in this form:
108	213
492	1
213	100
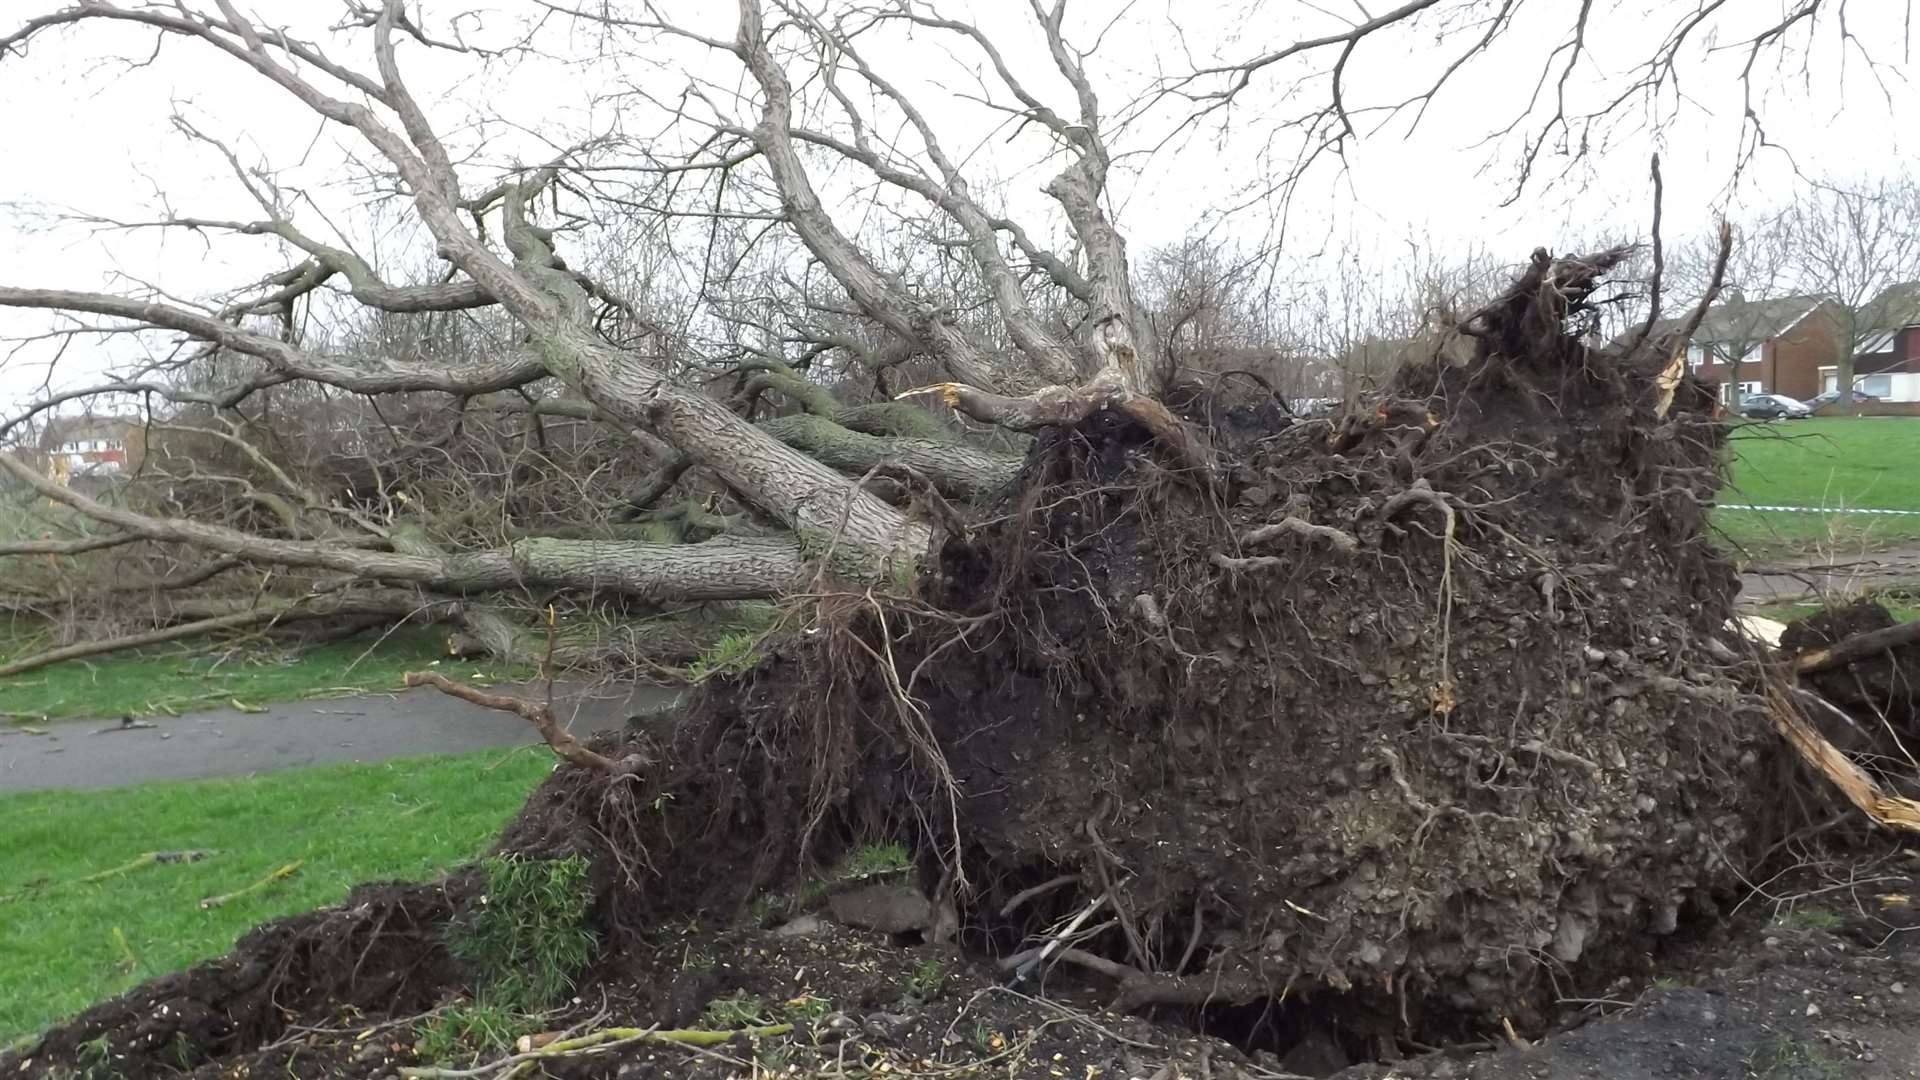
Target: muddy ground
1814	979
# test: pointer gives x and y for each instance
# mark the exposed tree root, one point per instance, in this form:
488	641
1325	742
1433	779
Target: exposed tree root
538	713
1140	989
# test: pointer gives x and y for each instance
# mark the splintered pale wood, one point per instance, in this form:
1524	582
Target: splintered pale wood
1893	811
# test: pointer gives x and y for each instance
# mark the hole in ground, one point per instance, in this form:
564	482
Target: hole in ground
1329	1031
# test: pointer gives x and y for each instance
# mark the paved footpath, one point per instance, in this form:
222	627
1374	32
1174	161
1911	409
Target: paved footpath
1842	575
363	728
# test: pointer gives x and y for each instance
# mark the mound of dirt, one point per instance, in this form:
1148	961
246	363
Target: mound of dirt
1882	688
1420	707
380	953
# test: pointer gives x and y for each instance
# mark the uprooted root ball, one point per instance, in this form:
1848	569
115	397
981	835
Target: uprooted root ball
1423	705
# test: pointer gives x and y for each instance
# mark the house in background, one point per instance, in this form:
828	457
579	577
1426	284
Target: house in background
1886	365
91	446
1777	346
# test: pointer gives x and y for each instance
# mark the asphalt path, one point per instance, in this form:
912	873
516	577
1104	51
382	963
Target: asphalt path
227	742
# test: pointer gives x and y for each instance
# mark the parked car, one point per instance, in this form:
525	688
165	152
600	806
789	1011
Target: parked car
1773	407
1821	401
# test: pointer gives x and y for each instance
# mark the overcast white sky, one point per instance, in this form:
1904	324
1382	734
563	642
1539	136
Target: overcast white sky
83	131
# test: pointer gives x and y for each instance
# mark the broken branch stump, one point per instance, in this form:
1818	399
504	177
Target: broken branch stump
537	713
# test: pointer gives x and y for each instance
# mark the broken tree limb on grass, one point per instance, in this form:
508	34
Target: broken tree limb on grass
281	874
149	858
1893	811
1857	647
537	713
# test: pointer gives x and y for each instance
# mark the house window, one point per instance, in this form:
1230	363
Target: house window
1880	386
1752	388
1696	355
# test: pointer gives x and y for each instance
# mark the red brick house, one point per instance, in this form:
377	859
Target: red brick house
1765	346
1886	364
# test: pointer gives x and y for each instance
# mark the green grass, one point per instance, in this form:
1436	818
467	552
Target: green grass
529	936
1832	463
66	944
465	1031
1899	608
177	680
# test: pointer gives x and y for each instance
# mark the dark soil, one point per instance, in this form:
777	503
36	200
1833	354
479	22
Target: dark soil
1885	687
1819	988
1404	730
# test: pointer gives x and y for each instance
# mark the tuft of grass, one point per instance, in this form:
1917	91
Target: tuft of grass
874	860
189	678
926	979
406	819
465	1031
737	1010
527	936
1785	1058
1809	918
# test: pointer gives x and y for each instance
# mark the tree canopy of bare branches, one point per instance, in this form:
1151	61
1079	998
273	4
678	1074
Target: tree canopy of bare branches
534	409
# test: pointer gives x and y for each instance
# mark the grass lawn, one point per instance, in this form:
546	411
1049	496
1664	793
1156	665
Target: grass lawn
1831	463
1789	612
188	678
65	944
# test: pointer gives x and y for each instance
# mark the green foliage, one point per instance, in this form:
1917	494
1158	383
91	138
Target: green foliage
737	1010
865	862
466	1031
180	1051
874	860
401	820
95	1058
731	654
928	976
1785	1058
527	936
806	1008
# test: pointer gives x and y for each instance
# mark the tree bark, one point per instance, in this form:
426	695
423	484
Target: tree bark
955	470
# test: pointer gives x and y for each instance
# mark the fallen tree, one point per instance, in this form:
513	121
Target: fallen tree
1410	711
1421	711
